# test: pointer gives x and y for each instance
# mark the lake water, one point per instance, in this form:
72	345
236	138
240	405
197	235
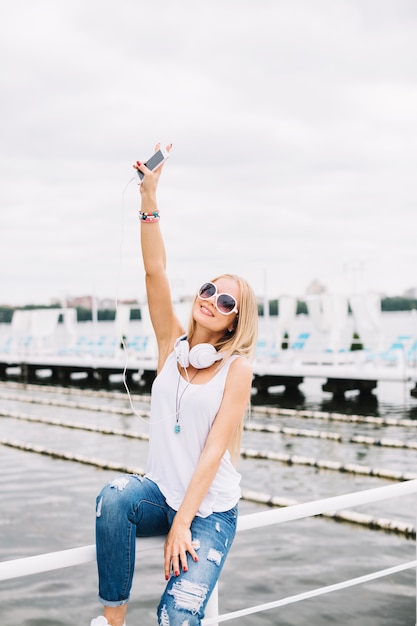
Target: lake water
48	504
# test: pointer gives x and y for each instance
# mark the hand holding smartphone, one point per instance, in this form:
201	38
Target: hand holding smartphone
154	162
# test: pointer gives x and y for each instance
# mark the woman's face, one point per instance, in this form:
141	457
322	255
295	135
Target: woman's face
206	313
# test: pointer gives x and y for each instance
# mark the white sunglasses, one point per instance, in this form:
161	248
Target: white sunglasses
224	303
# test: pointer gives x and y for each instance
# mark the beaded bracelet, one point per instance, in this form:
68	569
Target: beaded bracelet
149	217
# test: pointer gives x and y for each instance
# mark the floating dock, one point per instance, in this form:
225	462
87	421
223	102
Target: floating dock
339	377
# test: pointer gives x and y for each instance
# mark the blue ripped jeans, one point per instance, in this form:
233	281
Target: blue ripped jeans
131	506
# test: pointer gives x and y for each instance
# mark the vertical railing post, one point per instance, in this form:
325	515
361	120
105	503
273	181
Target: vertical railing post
212	608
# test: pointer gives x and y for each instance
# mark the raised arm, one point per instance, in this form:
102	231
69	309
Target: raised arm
164	321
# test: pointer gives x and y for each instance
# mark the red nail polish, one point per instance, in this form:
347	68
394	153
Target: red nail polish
185	569
177	573
196	558
166	577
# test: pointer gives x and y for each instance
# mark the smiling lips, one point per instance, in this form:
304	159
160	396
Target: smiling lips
206	311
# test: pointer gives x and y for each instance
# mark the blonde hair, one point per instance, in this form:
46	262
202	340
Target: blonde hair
242	340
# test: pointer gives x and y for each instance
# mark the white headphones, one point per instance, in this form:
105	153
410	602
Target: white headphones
200	356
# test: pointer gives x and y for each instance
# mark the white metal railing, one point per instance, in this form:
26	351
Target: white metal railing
77	556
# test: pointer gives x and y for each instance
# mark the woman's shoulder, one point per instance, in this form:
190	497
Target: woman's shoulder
238	381
239	365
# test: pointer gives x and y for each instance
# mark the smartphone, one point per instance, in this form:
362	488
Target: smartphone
155	161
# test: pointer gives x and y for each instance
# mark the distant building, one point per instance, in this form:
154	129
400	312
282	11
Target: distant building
86	302
411	293
83	302
315	288
106	303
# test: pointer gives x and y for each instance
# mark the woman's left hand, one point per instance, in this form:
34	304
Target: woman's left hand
177	544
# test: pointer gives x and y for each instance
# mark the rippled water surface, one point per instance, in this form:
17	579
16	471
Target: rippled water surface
47	504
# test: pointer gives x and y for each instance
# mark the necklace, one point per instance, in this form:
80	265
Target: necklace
177	427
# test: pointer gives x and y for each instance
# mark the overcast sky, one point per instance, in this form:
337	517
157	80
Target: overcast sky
294	126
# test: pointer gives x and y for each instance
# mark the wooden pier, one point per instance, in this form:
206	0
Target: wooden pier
338	378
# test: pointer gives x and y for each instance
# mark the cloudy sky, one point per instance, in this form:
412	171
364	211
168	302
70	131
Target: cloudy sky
294	126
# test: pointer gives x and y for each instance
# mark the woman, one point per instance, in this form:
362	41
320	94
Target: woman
191	487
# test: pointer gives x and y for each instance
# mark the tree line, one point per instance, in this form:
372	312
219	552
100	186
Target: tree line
83	314
395	303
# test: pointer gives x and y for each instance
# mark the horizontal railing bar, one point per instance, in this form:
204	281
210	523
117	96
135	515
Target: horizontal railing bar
76	556
47	562
63	558
317	507
310	594
342	515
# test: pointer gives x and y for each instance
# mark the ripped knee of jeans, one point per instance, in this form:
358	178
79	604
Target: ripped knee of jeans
188	595
119	483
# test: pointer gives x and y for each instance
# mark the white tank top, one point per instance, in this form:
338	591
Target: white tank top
173	457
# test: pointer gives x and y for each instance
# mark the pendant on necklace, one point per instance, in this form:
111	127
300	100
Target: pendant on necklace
177	428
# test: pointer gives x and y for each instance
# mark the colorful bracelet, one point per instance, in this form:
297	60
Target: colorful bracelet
149	217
